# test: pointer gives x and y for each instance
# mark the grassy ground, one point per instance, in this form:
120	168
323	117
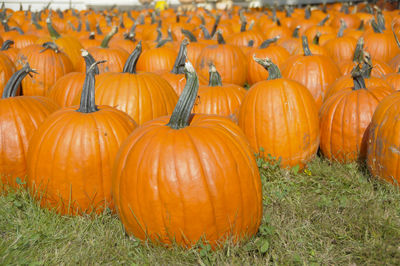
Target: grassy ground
331	214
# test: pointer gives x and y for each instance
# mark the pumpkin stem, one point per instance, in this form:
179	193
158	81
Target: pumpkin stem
345	8
288	11
121	21
59	13
35	22
79	28
307	12
358	79
250	43
52	31
273	70
361	27
50	45
159	34
89	60
98	30
316	38
11	88
367	65
306	48
380	18
359	52
203	20
4	22
395	37
108	37
243	21
214	77
215	26
343	26
268	42
88	104
220	38
206	34
71	25
180	117
179	65
161	43
92	35
130	65
6	45
189	35
322	22
295	33
376	27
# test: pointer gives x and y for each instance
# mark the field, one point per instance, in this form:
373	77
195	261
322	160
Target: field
328	214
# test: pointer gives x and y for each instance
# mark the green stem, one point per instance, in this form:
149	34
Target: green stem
6	45
108	37
214	77
179	65
316	38
180	117
273	70
52	31
87	104
189	35
268	42
306	48
11	88
130	65
361	27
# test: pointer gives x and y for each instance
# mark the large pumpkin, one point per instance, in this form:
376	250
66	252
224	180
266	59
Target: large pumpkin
280	118
20	116
82	144
345	118
170	184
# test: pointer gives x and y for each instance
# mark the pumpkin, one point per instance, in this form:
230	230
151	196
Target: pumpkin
143	96
160	58
7	69
20	116
280	118
171	167
315	72
383	140
219	99
228	58
345	118
291	43
115	57
393	79
82	144
11	52
50	63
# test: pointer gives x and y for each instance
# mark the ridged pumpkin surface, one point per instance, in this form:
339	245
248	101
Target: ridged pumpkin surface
66	89
172	184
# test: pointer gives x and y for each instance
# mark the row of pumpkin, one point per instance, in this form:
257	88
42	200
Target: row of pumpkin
183	177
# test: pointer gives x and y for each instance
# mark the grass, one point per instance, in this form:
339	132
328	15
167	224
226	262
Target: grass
330	214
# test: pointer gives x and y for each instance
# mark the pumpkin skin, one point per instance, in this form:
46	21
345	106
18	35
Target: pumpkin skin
157	163
315	72
383	140
19	118
157	59
66	89
7	69
344	121
279	117
51	64
82	144
394	80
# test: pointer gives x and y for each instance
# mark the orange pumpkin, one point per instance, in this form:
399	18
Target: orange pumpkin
82	143
161	159
280	118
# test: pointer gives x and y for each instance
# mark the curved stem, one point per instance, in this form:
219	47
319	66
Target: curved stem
395	37
98	30
366	66
206	34
361	27
180	117
52	31
322	22
316	38
130	65
214	77
376	27
161	43
307	12
273	70
268	42
35	22
306	48
179	65
6	45
295	33
108	37
11	88
343	26
87	104
358	80
189	35
215	26
89	61
50	45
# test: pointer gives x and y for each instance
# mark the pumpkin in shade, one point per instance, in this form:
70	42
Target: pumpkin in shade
49	61
176	77
218	98
393	79
69	87
229	59
115	57
345	118
7	69
82	143
315	72
8	49
143	96
20	116
279	117
384	140
172	167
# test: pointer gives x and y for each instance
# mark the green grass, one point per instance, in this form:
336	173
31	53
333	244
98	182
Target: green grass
333	214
